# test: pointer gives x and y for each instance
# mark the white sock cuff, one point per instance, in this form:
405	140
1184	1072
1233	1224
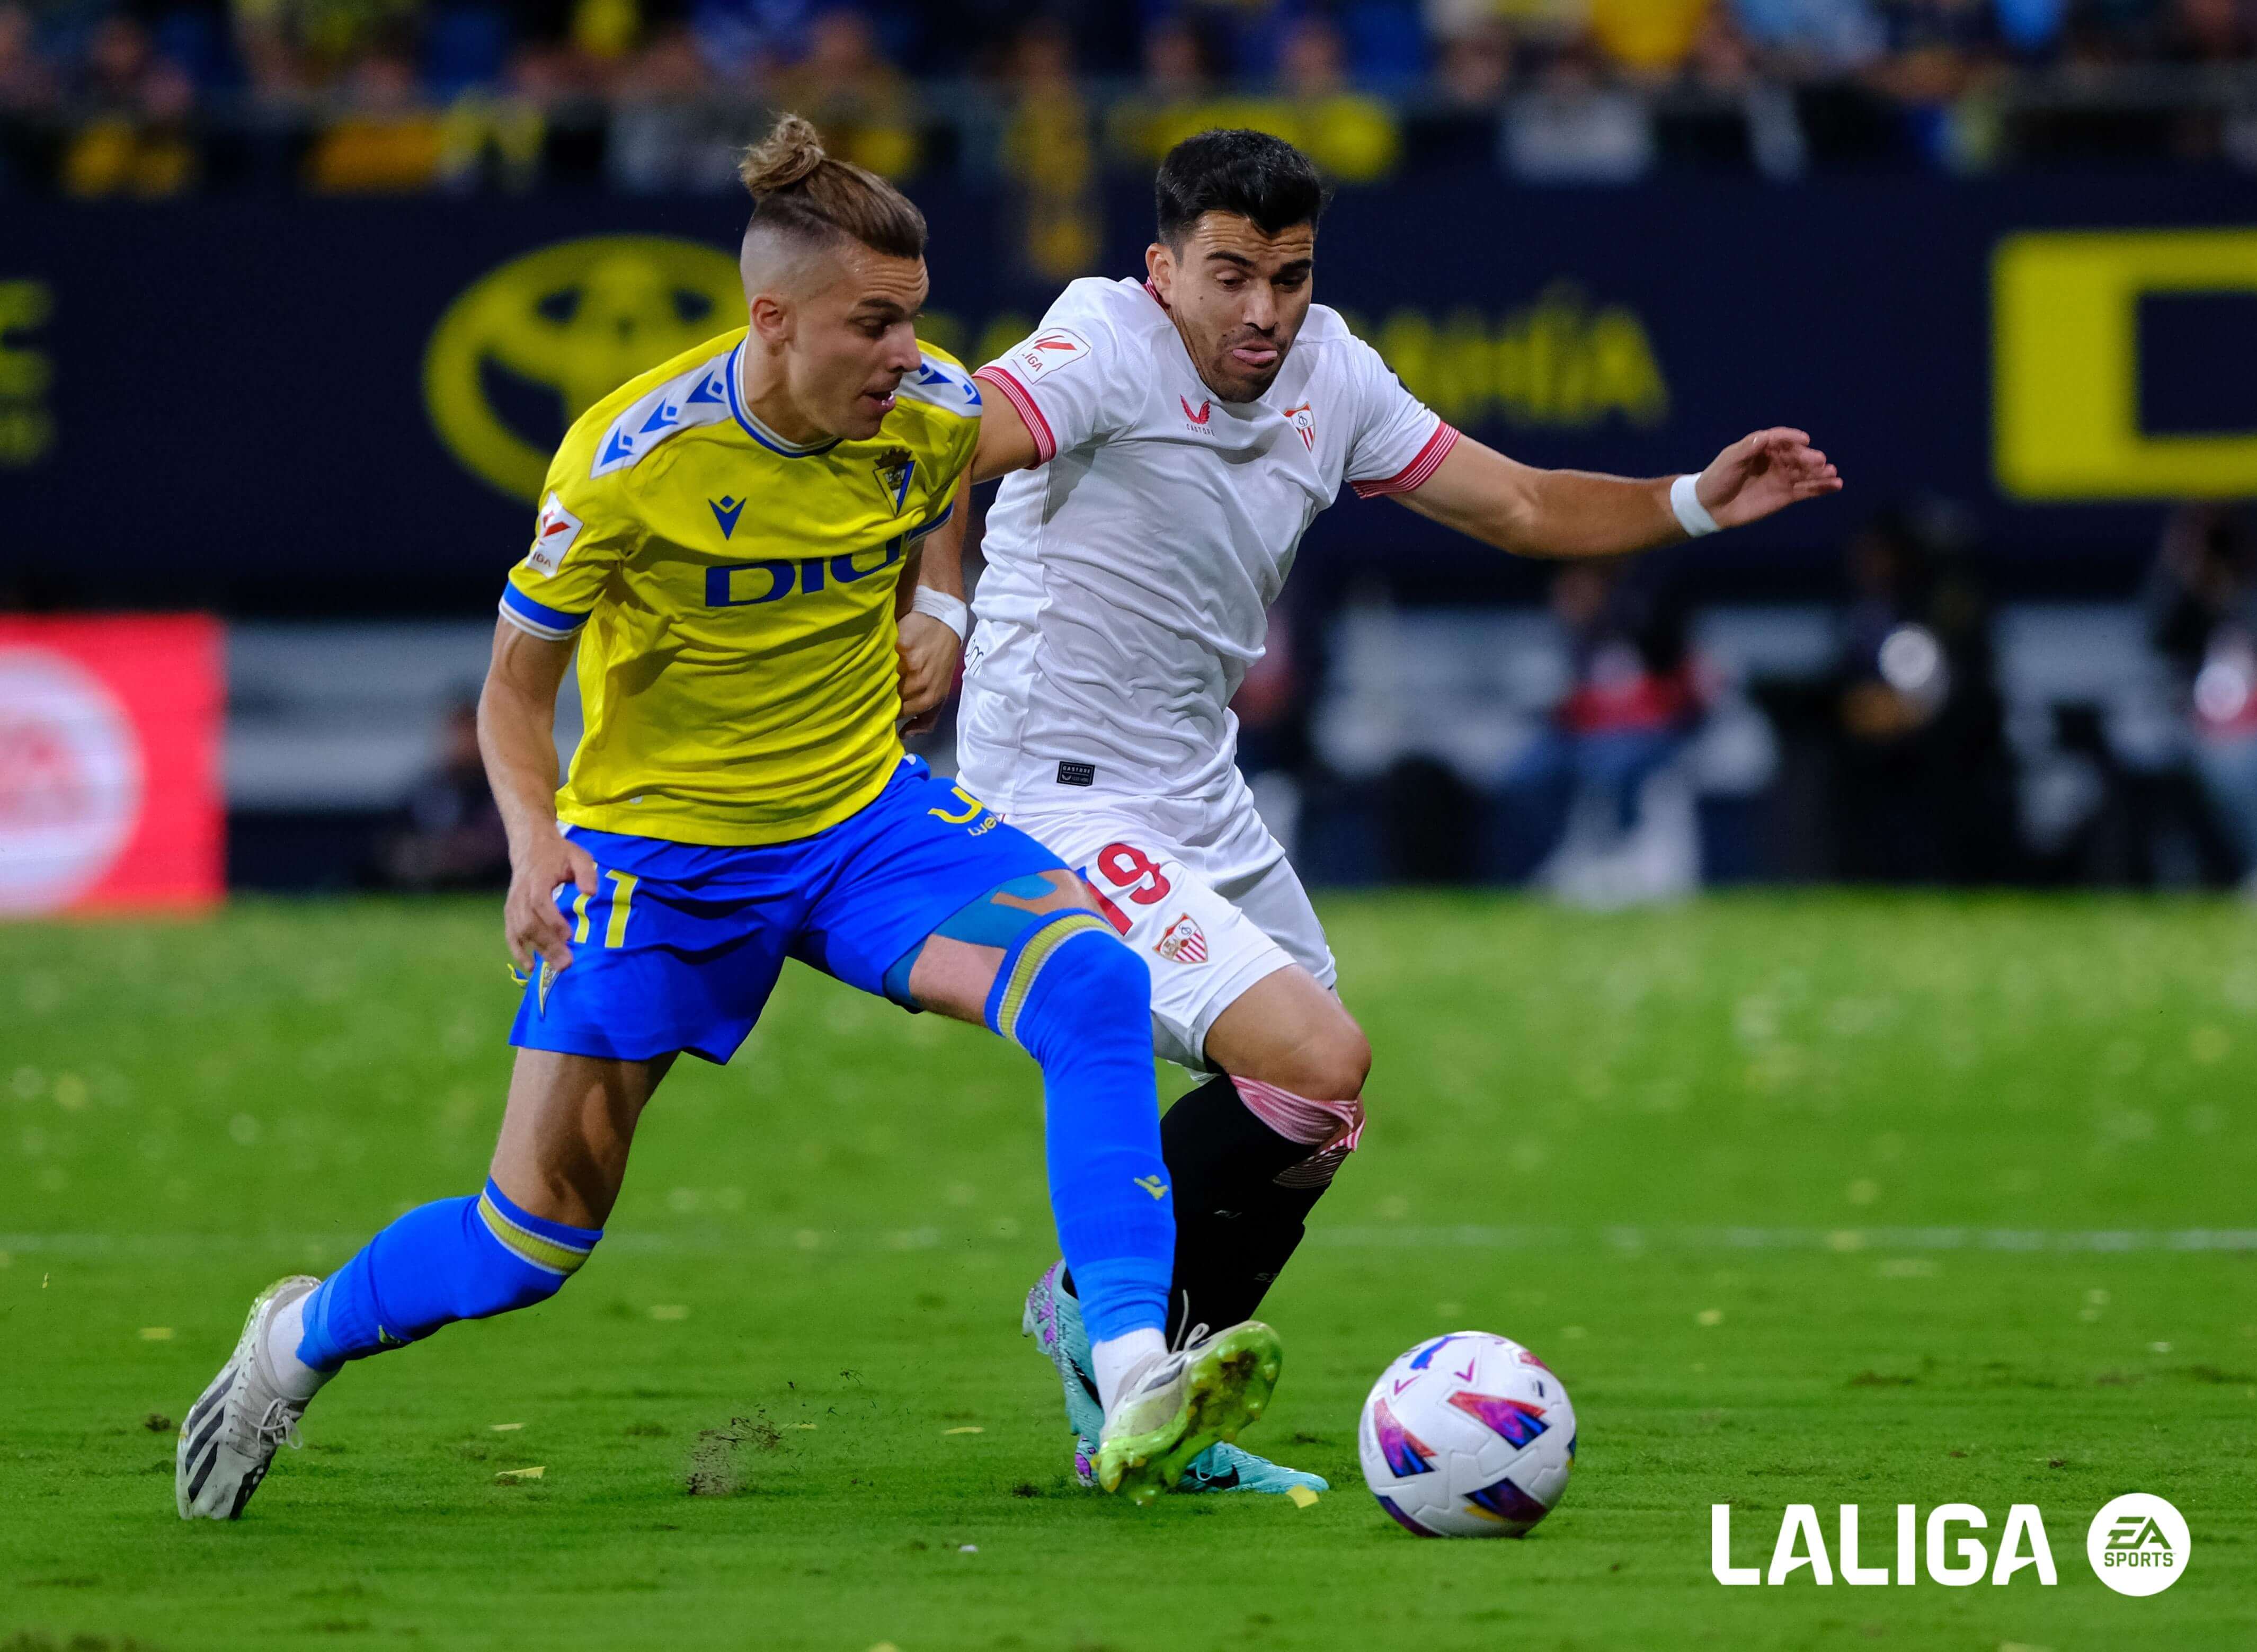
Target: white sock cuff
1116	1358
285	1330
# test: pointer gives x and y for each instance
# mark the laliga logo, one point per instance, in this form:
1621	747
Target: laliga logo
2138	1545
575	320
70	780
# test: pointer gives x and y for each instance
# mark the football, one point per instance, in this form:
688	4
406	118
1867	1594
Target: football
1467	1435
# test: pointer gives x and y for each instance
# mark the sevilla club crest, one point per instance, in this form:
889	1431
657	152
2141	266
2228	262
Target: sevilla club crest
1183	941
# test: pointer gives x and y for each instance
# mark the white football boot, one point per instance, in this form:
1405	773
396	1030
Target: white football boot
232	1433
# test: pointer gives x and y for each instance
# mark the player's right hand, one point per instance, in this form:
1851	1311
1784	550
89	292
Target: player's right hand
530	920
929	652
1764	473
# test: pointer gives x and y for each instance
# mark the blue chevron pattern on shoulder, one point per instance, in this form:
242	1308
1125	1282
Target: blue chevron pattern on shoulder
699	396
942	386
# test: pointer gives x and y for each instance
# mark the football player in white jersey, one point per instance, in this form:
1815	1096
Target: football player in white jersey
1165	442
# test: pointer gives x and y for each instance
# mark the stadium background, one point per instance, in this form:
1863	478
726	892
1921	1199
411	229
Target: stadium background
296	296
1809	1195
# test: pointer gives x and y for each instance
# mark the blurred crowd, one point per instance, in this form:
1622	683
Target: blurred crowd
152	96
1630	744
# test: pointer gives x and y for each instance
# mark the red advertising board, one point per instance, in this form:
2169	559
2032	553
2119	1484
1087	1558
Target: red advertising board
110	763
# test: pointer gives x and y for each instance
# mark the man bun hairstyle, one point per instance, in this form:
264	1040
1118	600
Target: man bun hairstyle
1252	175
800	190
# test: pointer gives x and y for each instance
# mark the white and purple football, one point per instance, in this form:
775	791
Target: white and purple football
1467	1435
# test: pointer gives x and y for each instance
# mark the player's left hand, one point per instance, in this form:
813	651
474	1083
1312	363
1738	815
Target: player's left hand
929	653
1764	473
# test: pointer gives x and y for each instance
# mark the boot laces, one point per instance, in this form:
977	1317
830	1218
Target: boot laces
1191	1335
278	1427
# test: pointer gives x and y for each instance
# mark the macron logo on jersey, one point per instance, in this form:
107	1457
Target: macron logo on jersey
552	536
1047	351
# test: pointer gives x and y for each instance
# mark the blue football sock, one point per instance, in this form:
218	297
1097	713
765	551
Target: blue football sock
459	1259
1080	1003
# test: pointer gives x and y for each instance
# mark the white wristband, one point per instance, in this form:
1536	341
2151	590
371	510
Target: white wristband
951	611
1692	516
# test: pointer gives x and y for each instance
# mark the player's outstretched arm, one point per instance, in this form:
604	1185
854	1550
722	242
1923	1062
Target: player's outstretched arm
517	735
1532	513
1005	444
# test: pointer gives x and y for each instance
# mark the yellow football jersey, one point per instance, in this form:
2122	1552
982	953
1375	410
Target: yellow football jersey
733	595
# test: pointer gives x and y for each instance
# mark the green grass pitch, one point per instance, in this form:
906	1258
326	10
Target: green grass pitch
1806	1198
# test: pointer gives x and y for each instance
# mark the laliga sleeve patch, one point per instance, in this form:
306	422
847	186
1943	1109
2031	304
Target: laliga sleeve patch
552	537
1047	351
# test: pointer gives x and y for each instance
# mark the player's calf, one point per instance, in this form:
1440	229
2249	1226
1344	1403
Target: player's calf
1039	968
1251	1152
457	1259
1079	1002
1328	1131
1249	1161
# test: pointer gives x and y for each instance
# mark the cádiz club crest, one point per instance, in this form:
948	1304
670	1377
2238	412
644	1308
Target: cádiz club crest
895	467
530	346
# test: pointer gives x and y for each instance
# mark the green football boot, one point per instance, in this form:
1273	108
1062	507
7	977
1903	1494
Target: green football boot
1053	1319
1178	1404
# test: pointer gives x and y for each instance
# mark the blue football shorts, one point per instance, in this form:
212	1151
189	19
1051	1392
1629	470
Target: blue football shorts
681	943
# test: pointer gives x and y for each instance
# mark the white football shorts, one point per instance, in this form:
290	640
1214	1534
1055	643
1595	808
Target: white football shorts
1200	890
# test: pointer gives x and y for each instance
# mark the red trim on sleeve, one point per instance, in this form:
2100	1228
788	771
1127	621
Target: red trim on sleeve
1016	393
1428	461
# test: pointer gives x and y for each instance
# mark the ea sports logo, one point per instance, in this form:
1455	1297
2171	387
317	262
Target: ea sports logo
577	320
70	780
2138	1544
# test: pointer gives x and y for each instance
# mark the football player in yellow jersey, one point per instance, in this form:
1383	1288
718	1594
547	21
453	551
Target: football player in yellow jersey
723	541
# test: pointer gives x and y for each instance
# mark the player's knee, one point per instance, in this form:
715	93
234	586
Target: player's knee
1070	968
1330	1063
1346	1065
1115	975
1109	983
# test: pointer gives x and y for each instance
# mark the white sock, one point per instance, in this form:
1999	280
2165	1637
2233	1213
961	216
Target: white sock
1116	1358
293	1376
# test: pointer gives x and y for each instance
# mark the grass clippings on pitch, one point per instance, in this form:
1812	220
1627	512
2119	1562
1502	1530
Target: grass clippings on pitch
1808	1199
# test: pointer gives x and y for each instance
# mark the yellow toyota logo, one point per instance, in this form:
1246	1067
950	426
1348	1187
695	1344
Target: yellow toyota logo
578	320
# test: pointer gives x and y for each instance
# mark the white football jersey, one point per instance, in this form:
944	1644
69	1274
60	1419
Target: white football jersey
1129	574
